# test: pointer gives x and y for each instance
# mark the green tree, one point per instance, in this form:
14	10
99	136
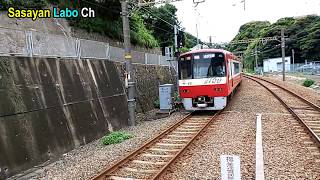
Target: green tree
161	20
304	34
5	4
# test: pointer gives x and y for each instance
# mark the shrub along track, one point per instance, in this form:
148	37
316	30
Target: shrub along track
154	157
307	113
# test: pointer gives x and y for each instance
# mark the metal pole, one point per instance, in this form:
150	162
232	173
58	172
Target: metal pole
197	32
176	38
256	57
283	44
293	59
176	54
196	3
244	5
128	58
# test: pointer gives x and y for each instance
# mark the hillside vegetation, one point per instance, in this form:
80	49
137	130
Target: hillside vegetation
304	34
150	26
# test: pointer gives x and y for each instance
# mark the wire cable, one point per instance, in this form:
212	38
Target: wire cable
149	12
99	5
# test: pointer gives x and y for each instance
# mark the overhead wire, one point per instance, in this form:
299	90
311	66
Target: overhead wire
99	5
157	17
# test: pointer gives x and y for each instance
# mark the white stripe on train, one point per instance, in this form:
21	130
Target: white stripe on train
204	81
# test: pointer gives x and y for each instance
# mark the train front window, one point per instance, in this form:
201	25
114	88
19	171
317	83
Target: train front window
185	68
209	65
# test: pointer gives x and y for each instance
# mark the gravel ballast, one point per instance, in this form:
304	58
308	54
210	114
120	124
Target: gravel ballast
84	162
233	133
307	93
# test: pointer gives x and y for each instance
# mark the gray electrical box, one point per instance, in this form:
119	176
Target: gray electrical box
166	95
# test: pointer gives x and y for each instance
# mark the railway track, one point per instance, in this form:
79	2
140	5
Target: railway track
307	113
153	158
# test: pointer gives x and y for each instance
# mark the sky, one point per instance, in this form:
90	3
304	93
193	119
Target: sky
222	19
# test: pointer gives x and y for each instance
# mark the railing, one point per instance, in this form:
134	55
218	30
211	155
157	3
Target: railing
29	43
304	68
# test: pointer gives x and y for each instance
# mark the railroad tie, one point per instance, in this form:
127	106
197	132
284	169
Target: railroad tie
148	162
164	150
186	129
119	178
148	171
157	155
176	140
178	136
167	144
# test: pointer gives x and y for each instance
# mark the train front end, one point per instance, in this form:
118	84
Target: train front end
203	83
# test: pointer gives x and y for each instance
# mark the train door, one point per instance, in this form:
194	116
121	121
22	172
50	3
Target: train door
231	72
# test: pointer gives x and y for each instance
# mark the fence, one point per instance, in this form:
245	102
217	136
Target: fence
312	68
34	43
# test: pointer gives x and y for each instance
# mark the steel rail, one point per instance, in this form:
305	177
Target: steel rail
136	152
185	147
287	90
108	172
309	130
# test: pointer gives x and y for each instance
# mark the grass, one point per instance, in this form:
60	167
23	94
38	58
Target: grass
308	82
115	137
156	103
249	71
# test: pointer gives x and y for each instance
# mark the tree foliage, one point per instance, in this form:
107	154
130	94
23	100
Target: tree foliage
140	34
161	20
304	34
150	26
5	4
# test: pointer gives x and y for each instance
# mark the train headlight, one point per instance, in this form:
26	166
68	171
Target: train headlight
185	91
217	89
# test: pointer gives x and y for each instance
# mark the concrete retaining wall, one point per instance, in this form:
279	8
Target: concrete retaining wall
50	106
148	79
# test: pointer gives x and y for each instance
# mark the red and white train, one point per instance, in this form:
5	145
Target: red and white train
207	77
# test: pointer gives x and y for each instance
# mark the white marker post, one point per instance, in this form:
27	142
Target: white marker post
259	150
230	167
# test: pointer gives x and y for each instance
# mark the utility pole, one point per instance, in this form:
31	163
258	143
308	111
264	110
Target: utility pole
244	4
176	38
283	45
196	3
292	59
128	58
256	57
176	53
197	32
210	40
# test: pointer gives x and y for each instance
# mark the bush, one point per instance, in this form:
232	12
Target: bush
308	82
177	96
156	103
5	4
140	34
115	137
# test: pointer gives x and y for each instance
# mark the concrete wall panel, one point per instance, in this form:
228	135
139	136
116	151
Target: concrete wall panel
49	106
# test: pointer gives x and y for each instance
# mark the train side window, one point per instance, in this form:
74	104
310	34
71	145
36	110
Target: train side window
230	64
236	68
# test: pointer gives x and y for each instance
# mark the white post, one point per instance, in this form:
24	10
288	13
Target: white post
146	58
107	46
29	42
259	150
